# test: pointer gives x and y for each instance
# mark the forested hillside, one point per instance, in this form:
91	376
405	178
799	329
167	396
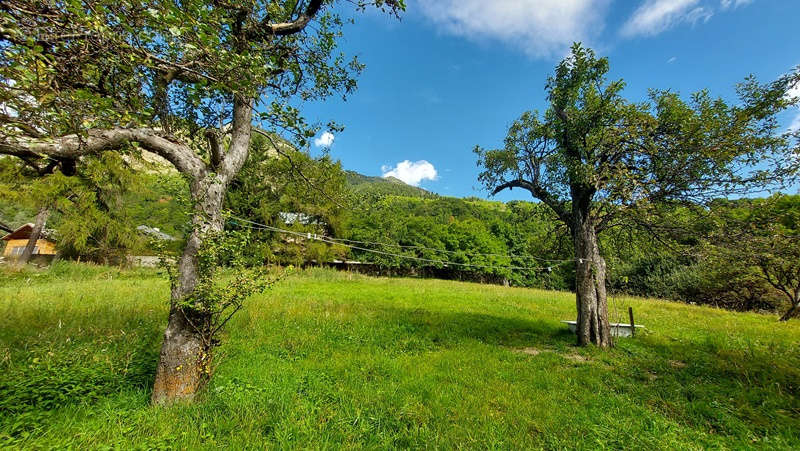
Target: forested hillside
416	232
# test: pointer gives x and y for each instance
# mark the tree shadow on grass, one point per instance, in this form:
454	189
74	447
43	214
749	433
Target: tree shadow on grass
716	387
396	329
457	327
29	395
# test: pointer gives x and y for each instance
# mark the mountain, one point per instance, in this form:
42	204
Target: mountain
365	184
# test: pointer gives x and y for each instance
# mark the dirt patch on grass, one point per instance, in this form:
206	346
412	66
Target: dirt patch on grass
529	351
677	364
577	358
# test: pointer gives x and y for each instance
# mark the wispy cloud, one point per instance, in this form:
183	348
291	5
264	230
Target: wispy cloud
541	28
411	172
795	125
672	60
546	28
324	140
656	16
735	3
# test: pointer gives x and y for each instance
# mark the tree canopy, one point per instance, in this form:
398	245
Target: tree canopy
594	157
185	80
629	155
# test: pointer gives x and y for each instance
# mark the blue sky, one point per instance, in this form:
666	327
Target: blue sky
454	73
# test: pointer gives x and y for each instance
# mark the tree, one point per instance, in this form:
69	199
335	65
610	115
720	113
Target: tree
312	190
763	235
181	79
594	157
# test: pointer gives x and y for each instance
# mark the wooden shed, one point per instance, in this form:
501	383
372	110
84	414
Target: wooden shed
18	239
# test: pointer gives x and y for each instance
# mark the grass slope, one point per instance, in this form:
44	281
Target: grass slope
329	359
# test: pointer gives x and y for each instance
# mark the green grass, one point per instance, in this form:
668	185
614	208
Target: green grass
332	359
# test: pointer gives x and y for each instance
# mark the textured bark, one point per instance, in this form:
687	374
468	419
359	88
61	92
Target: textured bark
590	279
36	233
185	354
793	311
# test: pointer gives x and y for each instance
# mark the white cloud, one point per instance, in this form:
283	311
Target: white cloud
795	125
672	60
794	92
324	140
735	3
656	16
410	172
541	28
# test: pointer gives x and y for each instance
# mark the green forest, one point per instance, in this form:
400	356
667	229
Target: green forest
719	255
200	253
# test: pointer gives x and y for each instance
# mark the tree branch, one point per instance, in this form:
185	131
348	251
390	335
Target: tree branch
71	147
239	148
538	192
264	28
21	125
215	147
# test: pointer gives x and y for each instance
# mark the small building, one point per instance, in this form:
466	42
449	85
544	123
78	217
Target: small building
155	233
290	217
18	239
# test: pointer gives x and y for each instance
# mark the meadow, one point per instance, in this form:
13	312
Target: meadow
331	359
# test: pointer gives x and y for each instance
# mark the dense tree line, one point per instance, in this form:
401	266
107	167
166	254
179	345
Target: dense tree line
715	255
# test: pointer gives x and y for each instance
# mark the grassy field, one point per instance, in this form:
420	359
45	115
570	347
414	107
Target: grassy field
331	359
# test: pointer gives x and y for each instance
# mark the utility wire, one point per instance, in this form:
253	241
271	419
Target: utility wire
373	243
344	242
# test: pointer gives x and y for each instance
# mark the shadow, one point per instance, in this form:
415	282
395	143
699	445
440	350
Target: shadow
453	328
718	386
29	394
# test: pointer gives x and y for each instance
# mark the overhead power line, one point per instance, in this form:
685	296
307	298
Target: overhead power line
347	243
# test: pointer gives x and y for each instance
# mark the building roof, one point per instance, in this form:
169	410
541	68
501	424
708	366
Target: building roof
24	232
290	218
154	232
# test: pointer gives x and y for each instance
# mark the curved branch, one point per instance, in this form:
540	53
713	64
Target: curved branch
96	141
558	207
519	183
264	29
239	148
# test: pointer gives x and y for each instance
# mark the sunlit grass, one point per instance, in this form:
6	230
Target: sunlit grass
330	359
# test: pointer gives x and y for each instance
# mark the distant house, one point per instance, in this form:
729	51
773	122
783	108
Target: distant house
290	218
155	233
18	239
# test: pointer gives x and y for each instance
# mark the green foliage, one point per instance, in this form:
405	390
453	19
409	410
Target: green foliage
365	186
335	359
279	184
214	301
763	237
278	178
89	212
519	234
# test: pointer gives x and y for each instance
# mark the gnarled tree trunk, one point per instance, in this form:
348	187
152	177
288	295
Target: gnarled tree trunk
590	280
185	354
793	311
183	365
